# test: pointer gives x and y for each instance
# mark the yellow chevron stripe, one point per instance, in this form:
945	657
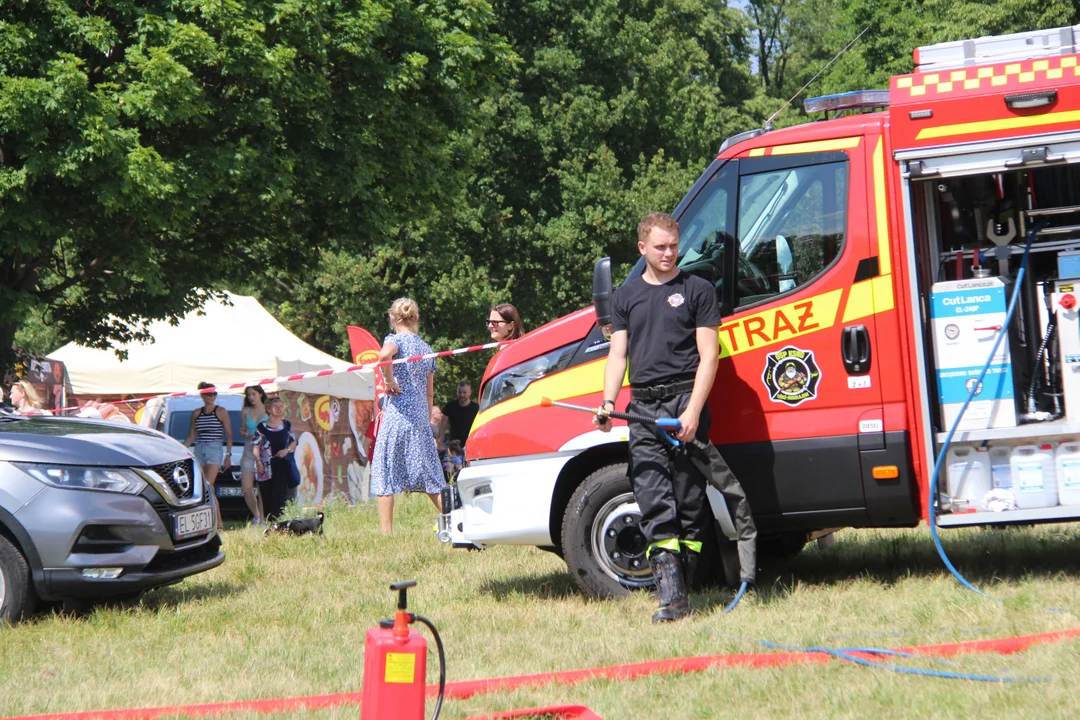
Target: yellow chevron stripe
818	146
1014	123
869	297
860	301
883	293
580	380
880	213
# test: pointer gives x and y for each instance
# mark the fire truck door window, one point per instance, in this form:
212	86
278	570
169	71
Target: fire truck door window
703	227
791	228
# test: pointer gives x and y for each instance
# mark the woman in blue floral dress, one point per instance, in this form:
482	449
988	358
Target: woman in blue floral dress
405	456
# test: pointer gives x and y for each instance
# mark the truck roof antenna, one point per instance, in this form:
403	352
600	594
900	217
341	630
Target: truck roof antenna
768	123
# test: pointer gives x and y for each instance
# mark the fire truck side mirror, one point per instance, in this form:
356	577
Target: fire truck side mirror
601	291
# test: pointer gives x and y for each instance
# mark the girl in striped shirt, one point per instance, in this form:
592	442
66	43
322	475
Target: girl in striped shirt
210	428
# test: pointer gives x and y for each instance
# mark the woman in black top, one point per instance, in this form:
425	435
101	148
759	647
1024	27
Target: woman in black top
275	441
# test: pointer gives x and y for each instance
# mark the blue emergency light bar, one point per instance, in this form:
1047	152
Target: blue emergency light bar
855	100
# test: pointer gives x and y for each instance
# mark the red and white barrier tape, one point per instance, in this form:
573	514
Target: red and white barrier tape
305	375
464	689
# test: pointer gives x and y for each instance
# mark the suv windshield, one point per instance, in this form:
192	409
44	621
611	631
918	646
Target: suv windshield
180	425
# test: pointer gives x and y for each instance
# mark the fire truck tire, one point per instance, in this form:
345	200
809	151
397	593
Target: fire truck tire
601	542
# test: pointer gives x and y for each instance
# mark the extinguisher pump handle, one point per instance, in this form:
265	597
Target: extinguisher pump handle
402	589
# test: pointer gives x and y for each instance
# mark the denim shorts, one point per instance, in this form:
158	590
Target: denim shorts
210	454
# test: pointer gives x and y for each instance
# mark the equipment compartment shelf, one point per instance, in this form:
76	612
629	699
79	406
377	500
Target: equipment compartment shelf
1059	513
1054	429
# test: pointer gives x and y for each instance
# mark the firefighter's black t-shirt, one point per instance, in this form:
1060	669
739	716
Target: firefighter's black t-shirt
661	323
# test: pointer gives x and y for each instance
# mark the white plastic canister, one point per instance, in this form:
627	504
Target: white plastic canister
1034	476
1068	472
968	474
1000	469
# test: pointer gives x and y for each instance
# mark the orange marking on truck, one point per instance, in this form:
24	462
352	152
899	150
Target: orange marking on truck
780	322
807	309
730	330
758	325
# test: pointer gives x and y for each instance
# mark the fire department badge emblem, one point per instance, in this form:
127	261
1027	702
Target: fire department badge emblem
791	376
675	300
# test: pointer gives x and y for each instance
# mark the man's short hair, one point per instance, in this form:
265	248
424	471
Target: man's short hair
464	384
656	220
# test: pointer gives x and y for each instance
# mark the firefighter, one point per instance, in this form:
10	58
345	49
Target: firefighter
669	321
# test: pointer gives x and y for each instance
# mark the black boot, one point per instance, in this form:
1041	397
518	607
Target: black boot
690	564
668	571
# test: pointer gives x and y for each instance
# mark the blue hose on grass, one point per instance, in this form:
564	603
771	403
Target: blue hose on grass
738	597
846	655
932	513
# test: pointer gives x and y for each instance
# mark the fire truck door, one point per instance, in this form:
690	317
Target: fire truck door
799	369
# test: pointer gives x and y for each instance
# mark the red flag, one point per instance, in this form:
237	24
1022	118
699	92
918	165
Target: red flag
365	349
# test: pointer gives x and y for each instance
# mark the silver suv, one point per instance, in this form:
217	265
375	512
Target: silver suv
93	510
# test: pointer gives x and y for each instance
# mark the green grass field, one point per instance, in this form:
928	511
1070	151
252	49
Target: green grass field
287	616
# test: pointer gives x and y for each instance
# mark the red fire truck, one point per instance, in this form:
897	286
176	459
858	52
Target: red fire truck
861	263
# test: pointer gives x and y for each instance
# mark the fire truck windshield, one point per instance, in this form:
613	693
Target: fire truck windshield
707	217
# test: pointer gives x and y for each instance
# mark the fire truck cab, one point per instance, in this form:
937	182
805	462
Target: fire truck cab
863	264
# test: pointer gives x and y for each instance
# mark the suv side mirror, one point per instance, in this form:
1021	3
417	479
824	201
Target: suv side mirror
601	294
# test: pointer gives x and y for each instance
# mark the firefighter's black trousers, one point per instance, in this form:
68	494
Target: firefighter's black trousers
669	484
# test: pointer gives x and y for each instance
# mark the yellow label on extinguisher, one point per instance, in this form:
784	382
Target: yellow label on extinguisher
400	668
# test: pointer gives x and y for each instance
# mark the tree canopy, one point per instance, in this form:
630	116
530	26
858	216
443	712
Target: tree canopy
613	110
332	156
151	152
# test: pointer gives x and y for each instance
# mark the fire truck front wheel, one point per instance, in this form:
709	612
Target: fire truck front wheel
601	535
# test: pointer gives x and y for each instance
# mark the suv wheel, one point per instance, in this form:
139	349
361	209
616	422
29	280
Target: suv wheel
16	589
601	536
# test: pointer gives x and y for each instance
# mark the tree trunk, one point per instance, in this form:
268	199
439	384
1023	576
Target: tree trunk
7	351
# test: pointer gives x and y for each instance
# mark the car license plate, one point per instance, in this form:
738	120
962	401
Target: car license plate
197	522
230	492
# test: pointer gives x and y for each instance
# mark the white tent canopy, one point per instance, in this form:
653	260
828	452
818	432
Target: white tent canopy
226	344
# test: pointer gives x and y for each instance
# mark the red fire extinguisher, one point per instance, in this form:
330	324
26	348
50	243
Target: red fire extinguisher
395	666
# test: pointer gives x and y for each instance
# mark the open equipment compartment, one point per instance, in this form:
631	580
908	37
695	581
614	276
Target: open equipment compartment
987	146
970	218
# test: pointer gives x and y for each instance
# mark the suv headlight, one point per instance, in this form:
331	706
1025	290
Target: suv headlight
513	381
73	477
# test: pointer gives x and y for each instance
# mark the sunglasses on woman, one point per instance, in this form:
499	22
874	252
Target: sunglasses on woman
493	323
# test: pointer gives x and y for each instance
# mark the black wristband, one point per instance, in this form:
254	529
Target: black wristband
606	402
